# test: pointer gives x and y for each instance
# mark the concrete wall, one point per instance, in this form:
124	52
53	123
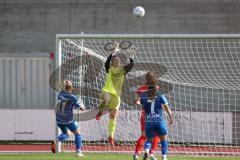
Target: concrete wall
30	25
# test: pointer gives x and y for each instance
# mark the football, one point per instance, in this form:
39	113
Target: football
138	11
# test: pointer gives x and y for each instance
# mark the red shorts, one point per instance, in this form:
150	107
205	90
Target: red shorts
142	121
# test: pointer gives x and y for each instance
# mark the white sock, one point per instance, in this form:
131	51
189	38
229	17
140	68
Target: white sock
164	156
147	150
78	150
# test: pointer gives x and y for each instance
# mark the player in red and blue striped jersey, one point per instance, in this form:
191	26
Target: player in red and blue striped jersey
67	102
154	106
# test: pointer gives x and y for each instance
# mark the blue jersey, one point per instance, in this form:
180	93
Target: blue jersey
64	109
153	107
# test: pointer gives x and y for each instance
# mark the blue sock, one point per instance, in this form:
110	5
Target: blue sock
62	137
147	145
164	147
78	142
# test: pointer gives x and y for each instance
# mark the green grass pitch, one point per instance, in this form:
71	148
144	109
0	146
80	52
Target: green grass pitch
96	156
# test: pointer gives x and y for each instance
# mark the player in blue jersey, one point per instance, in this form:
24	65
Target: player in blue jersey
154	105
67	102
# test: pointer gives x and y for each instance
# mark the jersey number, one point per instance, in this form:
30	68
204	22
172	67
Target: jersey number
152	106
60	108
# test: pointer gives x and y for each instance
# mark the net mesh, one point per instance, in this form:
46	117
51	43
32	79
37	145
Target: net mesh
199	76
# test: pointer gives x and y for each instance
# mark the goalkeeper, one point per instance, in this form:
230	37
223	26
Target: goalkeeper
111	92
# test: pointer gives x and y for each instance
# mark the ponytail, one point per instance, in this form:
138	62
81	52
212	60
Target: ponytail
151	82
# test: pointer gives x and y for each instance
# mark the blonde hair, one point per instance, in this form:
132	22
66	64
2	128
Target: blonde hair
67	85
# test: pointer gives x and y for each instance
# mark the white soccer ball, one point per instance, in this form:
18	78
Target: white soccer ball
139	11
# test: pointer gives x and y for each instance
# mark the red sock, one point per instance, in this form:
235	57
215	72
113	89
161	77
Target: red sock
140	143
154	144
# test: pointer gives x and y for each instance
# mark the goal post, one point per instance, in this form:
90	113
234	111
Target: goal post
198	73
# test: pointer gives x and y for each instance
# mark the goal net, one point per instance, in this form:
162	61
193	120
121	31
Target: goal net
199	75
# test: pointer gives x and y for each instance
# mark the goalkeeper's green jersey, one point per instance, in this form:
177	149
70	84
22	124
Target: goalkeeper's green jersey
114	80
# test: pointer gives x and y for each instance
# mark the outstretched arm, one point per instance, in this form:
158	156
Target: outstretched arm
79	105
107	63
129	67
